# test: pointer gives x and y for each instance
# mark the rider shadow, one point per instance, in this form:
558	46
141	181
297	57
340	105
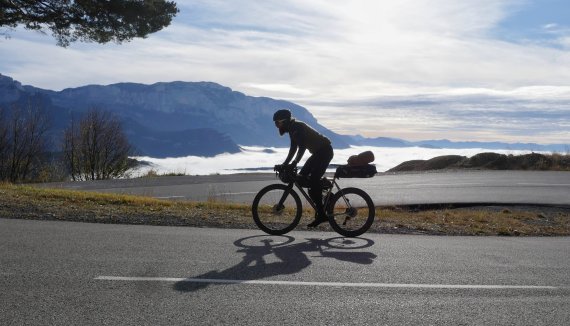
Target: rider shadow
291	259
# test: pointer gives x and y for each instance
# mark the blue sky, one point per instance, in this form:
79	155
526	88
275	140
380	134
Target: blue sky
541	21
415	69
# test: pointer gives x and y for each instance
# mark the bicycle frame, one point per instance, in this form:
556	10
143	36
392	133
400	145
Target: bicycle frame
360	214
307	197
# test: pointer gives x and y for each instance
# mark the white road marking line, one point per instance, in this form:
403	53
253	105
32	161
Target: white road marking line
236	193
328	284
445	184
168	197
544	184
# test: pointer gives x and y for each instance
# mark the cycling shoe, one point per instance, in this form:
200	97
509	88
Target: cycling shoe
318	220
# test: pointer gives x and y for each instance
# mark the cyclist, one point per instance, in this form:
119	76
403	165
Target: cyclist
304	137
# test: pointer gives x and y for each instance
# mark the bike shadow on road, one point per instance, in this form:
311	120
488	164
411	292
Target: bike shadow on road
267	256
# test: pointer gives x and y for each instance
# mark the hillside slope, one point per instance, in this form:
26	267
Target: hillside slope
163	114
489	161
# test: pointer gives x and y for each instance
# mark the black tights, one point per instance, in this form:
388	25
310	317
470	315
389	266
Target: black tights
313	170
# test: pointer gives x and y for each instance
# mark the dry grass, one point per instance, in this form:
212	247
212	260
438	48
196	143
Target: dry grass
480	221
27	202
57	204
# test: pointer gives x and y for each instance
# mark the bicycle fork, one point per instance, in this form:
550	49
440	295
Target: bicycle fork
280	205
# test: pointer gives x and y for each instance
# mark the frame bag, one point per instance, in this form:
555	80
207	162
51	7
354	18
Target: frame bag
358	171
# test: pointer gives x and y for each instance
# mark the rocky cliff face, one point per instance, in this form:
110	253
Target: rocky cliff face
147	139
10	90
178	106
163	115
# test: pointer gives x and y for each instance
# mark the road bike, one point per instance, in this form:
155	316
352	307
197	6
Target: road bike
277	208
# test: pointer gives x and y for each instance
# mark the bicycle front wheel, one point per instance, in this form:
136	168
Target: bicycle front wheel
275	211
351	212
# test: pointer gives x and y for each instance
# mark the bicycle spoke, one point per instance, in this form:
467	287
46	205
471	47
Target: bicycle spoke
352	212
275	213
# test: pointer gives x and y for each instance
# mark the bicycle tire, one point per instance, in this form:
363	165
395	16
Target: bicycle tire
354	220
272	219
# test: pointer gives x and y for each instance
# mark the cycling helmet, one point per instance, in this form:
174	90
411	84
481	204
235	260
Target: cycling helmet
283	114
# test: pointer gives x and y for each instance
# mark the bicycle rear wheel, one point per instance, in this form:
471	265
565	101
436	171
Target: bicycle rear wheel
351	212
271	216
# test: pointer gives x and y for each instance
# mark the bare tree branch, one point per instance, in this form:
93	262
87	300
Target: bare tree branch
96	148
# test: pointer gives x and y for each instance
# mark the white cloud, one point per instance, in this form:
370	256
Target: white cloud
565	42
279	88
327	47
331	51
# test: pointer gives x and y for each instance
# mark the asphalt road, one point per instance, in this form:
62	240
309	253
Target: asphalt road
64	273
477	187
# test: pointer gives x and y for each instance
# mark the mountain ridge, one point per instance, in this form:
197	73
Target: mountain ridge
165	113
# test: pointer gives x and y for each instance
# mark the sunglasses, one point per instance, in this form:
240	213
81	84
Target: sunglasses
279	122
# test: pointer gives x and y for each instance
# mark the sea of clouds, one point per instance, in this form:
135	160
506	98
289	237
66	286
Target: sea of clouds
260	159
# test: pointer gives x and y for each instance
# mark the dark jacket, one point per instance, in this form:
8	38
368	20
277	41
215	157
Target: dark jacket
304	137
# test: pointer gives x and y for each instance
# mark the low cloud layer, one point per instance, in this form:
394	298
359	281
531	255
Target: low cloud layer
256	159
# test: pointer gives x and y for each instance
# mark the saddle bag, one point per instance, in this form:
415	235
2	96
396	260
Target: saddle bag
359	171
361	159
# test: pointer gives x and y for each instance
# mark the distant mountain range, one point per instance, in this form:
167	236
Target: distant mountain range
197	118
445	143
